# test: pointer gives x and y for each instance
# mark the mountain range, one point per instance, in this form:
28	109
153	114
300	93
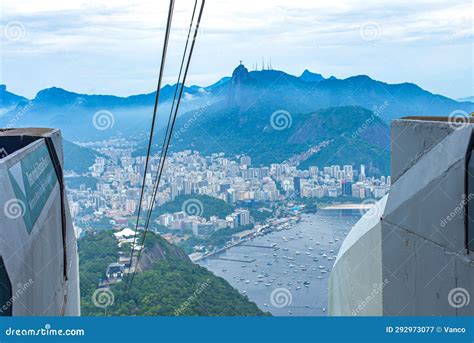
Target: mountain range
237	114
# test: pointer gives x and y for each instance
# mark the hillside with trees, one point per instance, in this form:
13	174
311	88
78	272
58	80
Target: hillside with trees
172	286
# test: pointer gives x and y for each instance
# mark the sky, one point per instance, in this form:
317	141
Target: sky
114	47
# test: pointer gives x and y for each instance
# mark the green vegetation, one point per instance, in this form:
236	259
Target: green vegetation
259	216
96	252
278	186
179	287
210	206
360	138
77	158
216	239
172	286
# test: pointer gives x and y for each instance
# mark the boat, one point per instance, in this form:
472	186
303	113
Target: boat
298	288
224	270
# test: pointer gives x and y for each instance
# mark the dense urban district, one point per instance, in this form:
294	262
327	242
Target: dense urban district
203	201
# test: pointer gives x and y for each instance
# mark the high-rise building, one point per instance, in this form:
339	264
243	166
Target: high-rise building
243	216
230	196
297	186
347	188
362	173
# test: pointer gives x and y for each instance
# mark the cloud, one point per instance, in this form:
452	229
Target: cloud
123	39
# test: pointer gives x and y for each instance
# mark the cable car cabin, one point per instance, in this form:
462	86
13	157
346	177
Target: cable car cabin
414	254
38	250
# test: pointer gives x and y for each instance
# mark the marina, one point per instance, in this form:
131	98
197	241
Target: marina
288	261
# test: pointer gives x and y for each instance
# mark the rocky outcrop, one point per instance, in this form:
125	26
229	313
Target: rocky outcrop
161	251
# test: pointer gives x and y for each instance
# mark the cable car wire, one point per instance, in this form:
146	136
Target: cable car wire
172	120
152	129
